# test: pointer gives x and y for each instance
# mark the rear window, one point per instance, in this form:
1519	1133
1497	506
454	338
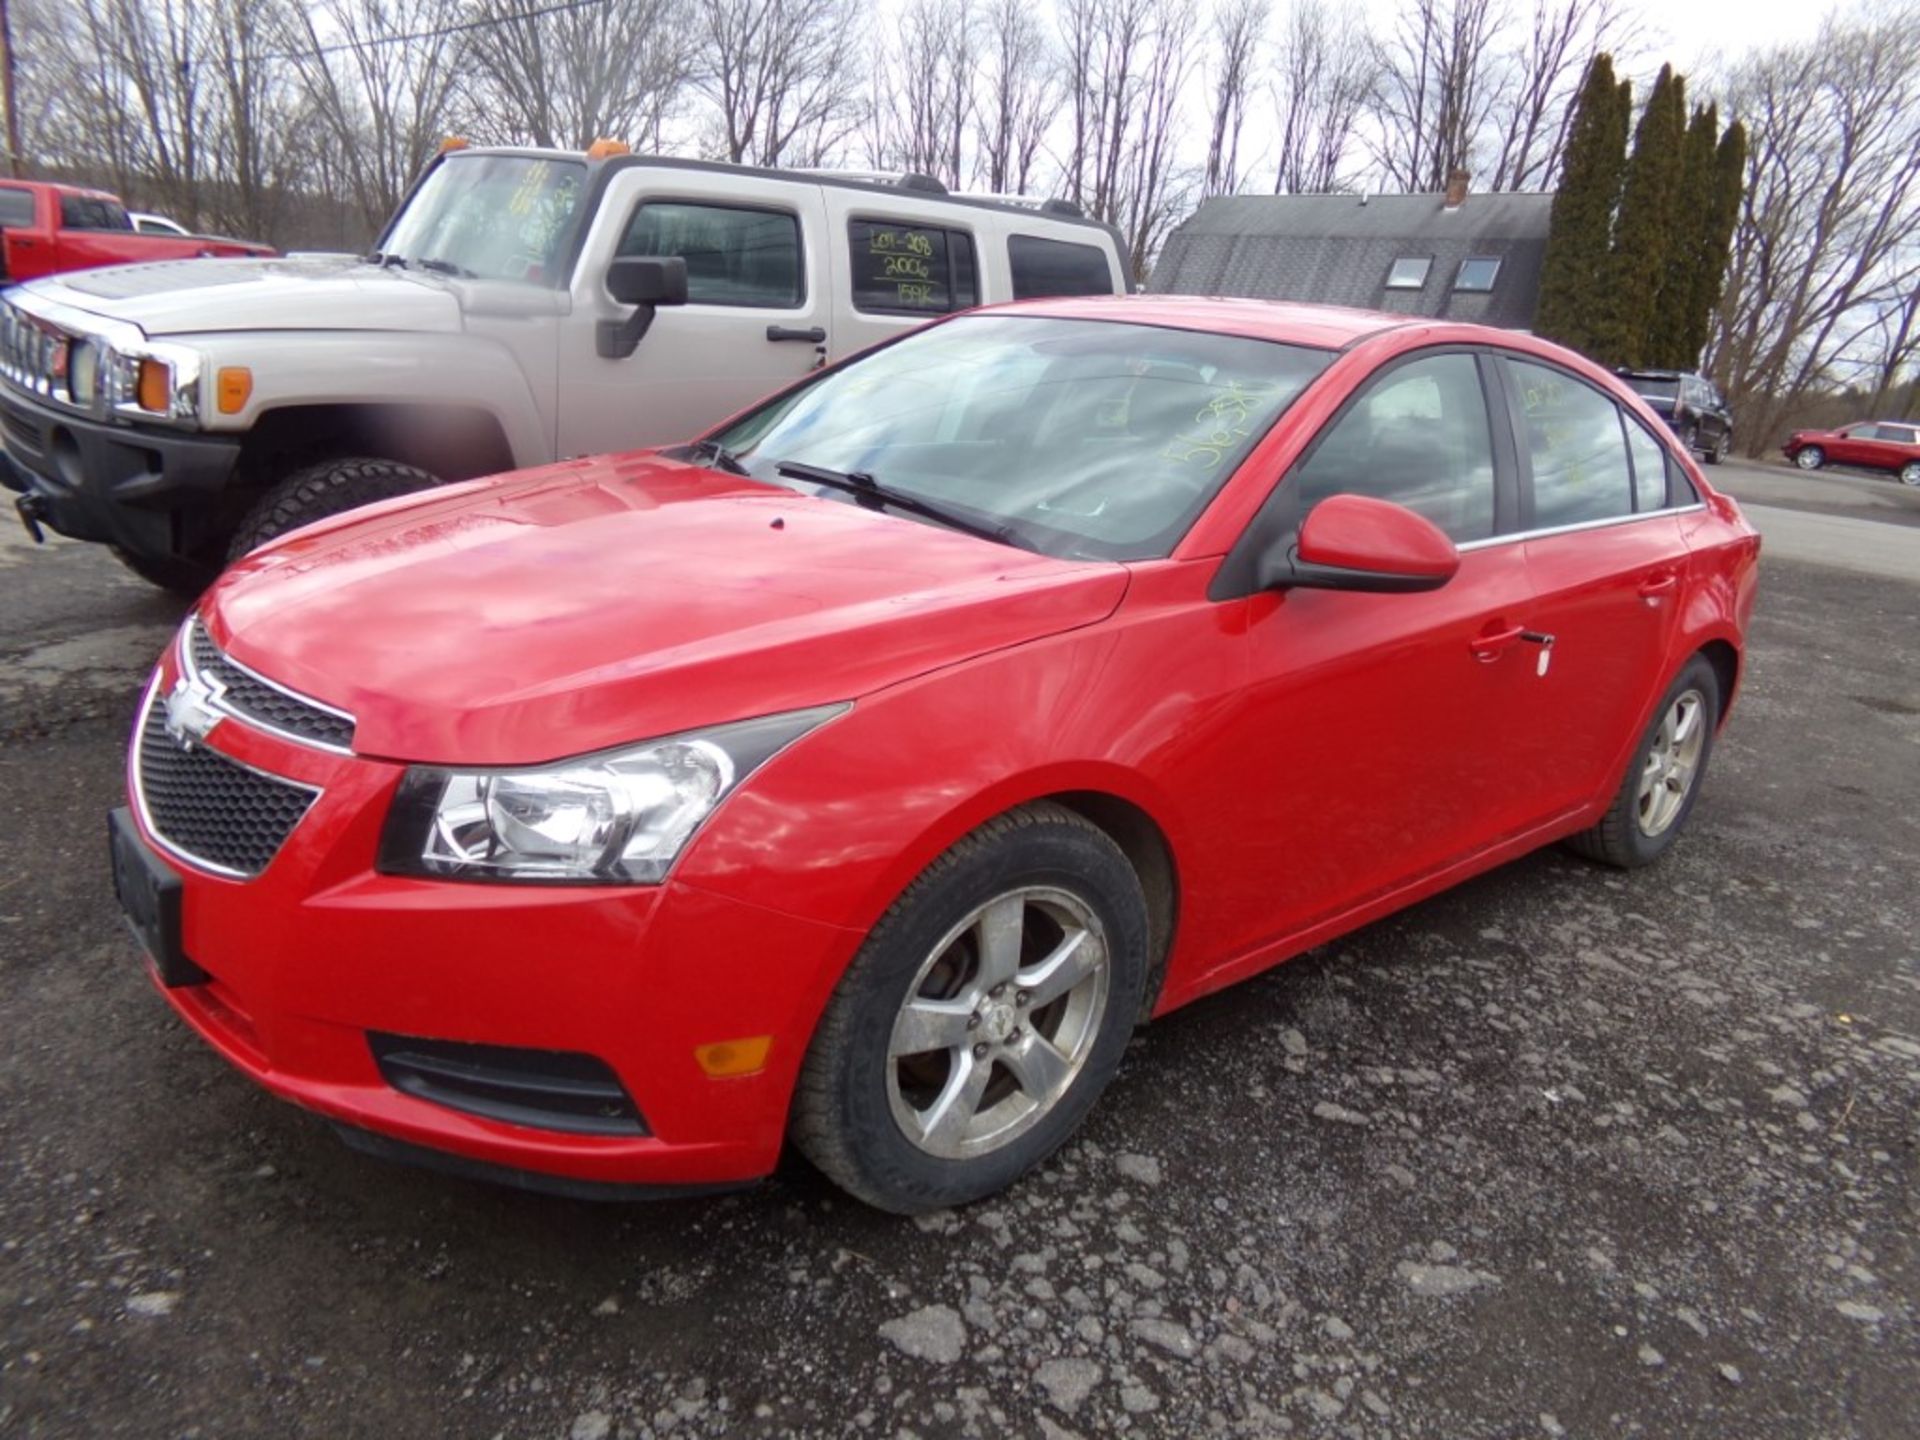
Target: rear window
91	212
1654	387
734	255
16	206
1057	267
1898	434
901	269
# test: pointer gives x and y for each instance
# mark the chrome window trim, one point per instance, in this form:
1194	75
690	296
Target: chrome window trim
1610	520
139	795
254	722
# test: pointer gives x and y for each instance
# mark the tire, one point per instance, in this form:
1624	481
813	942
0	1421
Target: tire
1910	473
857	1111
1644	819
186	578
323	490
1721	448
1690	438
1810	458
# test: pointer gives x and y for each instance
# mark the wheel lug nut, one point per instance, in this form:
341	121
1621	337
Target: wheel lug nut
1013	1035
980	1052
1022	997
997	991
973	1021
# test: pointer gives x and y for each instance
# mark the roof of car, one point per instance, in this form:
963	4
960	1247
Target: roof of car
1330	327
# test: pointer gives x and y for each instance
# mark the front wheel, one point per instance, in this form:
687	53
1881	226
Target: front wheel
321	491
1910	473
981	1019
1690	438
1811	458
1663	779
1721	448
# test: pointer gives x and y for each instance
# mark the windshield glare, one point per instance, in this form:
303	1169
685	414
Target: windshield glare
492	217
1083	439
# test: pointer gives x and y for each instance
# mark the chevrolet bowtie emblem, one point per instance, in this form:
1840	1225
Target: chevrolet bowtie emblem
192	710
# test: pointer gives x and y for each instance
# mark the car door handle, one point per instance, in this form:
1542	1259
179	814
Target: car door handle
1654	586
1490	645
814	336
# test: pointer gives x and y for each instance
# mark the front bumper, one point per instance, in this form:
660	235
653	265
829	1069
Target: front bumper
146	491
317	953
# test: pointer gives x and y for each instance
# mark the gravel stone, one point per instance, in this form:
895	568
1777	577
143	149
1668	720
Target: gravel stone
1142	1169
933	1332
1165	1334
155	1303
1068	1382
1440	1279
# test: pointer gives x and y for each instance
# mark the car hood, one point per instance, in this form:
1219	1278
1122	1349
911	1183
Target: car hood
593	603
184	297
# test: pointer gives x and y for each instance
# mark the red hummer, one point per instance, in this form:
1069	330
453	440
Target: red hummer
46	229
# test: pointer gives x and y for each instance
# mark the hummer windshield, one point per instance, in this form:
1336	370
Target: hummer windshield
490	217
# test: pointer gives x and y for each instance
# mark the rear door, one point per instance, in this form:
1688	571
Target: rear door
893	270
758	313
1608	565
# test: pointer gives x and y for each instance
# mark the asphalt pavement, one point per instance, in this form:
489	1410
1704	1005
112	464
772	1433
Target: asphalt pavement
1562	1152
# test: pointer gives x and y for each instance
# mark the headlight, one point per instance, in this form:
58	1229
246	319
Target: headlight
160	382
620	817
83	372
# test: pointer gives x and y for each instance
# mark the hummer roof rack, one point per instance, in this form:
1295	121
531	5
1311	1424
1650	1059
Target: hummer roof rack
900	179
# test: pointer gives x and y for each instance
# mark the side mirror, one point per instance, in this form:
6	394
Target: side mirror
1355	542
644	282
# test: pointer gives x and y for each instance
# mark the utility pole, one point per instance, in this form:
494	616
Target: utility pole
6	91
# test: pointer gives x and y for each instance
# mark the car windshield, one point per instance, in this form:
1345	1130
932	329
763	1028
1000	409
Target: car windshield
1654	387
1082	439
491	217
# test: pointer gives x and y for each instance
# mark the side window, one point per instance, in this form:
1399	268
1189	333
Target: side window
1649	468
1572	434
16	206
901	269
89	212
734	256
1898	434
1057	267
1417	436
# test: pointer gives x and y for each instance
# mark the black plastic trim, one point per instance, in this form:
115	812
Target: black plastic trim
541	1089
537	1182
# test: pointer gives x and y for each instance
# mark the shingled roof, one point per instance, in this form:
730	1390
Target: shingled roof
1339	249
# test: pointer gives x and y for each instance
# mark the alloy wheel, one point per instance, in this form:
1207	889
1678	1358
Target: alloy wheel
998	1023
1810	458
1672	763
1910	473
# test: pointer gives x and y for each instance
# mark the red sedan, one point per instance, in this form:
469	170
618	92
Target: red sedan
1890	445
866	771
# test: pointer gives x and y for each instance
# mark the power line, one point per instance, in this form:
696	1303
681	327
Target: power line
443	31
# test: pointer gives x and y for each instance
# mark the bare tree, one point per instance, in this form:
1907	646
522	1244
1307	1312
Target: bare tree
1239	31
382	80
1328	75
1016	96
1534	103
923	90
1832	203
779	74
1436	89
566	77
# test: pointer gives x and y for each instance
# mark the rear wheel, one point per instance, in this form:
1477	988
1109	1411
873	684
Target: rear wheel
1690	437
1663	779
1910	473
320	491
1720	448
984	1015
1811	458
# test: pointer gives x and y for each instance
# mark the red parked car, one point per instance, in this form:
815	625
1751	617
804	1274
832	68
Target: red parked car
48	229
1892	445
867	770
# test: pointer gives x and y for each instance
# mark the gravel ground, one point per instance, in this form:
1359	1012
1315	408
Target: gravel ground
1560	1152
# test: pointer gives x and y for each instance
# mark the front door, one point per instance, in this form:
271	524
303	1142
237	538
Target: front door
759	304
1374	738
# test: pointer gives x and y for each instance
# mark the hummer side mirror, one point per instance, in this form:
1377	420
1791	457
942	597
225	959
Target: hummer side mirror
644	282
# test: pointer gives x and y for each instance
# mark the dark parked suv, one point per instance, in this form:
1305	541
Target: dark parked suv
1691	405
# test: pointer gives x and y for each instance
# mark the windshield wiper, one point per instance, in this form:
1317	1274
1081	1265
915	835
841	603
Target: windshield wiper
447	267
871	493
716	455
384	259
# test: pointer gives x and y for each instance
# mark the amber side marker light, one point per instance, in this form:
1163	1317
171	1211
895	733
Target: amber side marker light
154	389
235	388
734	1057
601	149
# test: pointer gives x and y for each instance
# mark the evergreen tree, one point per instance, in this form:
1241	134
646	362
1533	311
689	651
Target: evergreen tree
1643	230
1579	234
1723	207
1678	330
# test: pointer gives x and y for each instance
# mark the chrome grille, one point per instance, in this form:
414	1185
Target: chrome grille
261	702
34	353
209	809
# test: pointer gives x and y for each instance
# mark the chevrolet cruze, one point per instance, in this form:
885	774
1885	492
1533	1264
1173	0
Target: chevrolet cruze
864	772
